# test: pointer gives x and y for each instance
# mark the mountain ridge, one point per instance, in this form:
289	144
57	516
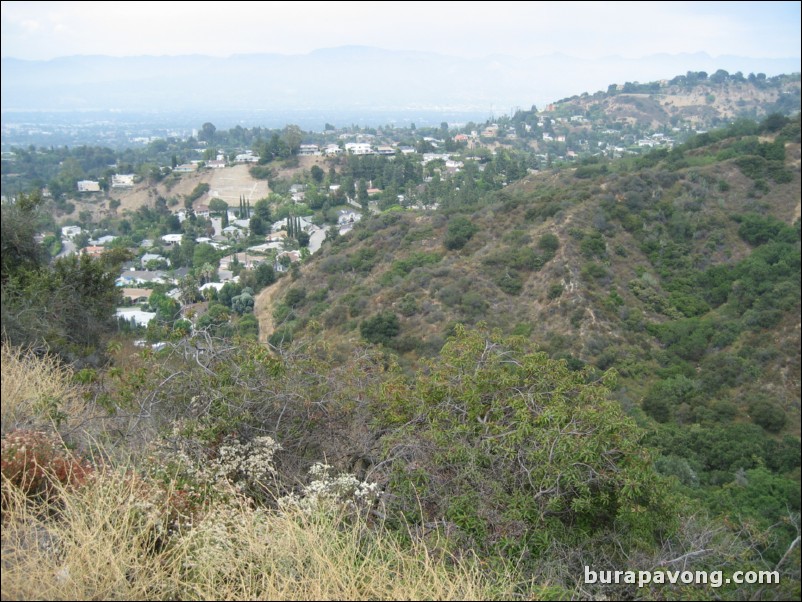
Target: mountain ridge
379	76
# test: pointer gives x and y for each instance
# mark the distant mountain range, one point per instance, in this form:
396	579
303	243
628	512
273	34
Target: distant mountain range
336	78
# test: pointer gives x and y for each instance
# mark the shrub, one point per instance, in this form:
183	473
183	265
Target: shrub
460	231
767	414
33	461
381	328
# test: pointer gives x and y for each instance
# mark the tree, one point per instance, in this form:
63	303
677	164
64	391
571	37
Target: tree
261	209
317	174
517	451
207	132
68	307
218	206
257	226
204	253
265	274
303	238
18	227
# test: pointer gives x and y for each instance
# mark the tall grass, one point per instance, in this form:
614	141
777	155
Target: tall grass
36	390
108	540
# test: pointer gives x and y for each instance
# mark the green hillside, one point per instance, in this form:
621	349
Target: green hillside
593	367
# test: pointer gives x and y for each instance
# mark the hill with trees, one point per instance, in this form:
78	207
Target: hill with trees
498	376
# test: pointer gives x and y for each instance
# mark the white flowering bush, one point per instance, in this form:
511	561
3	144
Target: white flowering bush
327	492
246	464
243	466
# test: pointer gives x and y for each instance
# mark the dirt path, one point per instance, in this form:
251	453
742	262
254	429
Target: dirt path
263	310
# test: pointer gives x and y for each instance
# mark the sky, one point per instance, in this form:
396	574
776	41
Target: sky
46	30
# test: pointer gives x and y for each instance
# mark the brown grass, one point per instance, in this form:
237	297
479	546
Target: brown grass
101	546
34	389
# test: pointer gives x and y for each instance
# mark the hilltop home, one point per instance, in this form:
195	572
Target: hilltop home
122	180
88	186
137	295
247	157
309	149
170	240
70	231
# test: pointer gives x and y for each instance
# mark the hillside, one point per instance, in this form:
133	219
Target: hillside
678	270
599	270
553	367
701	102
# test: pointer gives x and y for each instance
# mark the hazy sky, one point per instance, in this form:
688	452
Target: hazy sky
44	30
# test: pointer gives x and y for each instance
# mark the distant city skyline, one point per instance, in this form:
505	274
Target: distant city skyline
47	30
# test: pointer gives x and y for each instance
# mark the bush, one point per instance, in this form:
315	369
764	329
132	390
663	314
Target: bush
460	231
381	328
549	243
510	282
767	414
34	462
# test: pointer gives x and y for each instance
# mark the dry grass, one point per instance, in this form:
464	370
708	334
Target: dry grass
35	389
100	545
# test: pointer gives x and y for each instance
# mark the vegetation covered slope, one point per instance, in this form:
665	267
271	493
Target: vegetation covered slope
680	270
596	367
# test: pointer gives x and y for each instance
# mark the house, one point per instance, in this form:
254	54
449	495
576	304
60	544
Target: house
93	251
134	277
385	150
134	315
280	264
70	231
247	157
122	180
333	149
309	149
137	295
88	186
407	150
216	164
244	259
232	232
347	216
148	257
266	247
171	240
209	285
104	240
304	222
186	168
359	148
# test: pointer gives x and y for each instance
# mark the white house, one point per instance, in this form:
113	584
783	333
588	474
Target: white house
309	149
359	148
104	240
139	317
148	257
122	180
70	231
88	186
172	239
246	157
